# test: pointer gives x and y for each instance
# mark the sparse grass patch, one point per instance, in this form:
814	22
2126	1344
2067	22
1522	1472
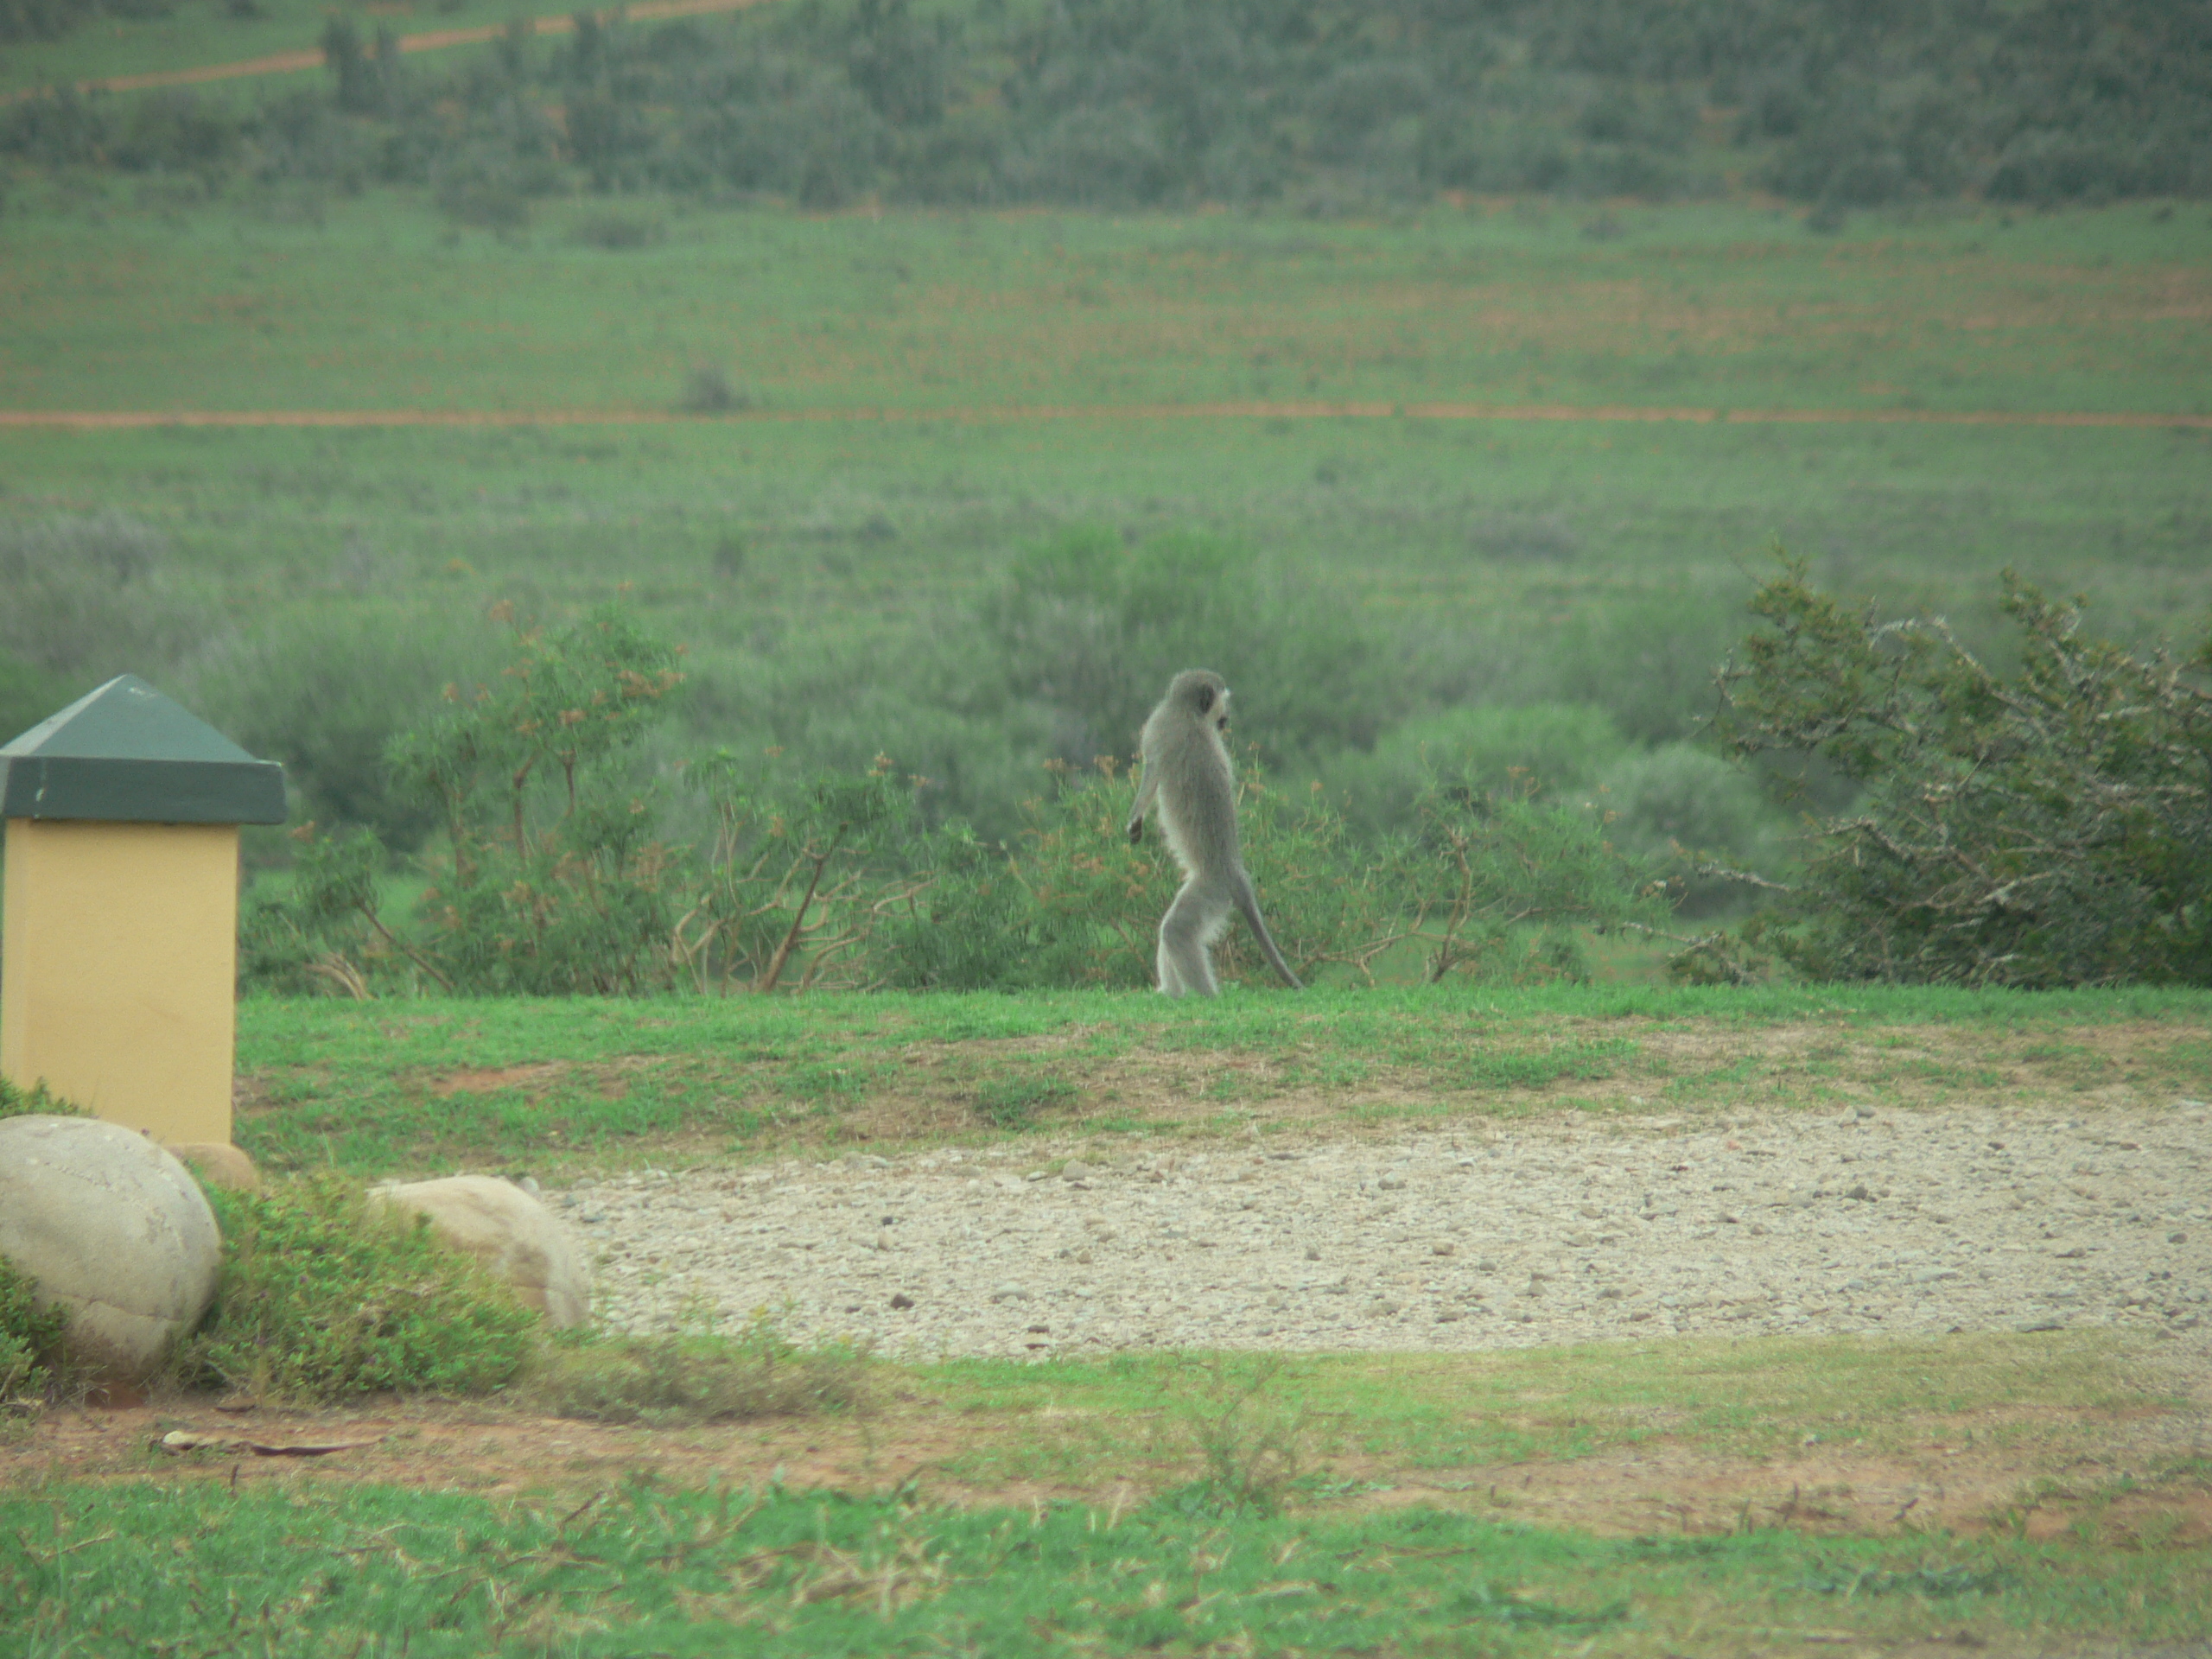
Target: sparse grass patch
698	1377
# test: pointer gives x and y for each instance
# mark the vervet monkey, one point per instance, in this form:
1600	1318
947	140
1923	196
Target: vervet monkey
1187	768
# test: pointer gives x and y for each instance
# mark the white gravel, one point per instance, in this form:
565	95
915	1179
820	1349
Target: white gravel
1477	1235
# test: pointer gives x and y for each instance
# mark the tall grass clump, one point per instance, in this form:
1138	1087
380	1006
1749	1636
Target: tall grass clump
326	1294
696	1377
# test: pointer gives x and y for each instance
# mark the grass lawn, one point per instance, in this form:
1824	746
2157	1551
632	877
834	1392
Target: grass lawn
2025	1494
416	1087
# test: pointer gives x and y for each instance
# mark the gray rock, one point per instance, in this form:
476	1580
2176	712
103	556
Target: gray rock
511	1233
109	1226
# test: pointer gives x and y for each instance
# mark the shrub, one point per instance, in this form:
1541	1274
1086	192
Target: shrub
1493	882
30	1338
1073	902
1684	808
326	1294
617	232
2049	827
34	1100
327	694
1094	628
554	881
89	597
796	878
1549	747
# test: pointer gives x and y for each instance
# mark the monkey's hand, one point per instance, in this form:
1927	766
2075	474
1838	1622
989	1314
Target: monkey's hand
1136	830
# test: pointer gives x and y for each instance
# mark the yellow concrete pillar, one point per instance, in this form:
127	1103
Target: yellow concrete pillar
118	940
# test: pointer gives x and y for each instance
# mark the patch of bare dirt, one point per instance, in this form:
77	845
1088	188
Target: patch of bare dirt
2125	1479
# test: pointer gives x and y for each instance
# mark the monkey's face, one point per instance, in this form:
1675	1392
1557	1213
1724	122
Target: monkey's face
1213	704
1201	691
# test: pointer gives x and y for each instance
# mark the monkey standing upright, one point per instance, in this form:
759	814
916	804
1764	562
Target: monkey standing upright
1186	767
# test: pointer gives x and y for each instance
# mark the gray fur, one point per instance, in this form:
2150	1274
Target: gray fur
1187	770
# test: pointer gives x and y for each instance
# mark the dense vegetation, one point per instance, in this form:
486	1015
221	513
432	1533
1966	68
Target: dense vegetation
1159	103
2049	831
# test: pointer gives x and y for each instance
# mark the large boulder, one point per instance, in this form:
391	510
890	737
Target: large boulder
511	1233
111	1229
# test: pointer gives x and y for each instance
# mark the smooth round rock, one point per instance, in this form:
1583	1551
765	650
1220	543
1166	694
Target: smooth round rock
218	1163
112	1229
511	1233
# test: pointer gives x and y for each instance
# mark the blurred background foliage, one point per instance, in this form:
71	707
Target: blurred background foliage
1324	104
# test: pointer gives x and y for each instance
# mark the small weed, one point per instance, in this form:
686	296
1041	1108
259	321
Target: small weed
1247	1438
1014	1103
1942	1582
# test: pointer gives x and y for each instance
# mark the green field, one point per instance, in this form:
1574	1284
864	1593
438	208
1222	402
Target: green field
811	448
408	1089
822	550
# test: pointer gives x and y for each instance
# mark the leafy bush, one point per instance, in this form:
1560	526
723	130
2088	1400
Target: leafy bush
2052	826
1545	747
1684	809
1149	101
1094	629
794	876
327	1294
91	597
30	1337
1493	882
554	879
327	694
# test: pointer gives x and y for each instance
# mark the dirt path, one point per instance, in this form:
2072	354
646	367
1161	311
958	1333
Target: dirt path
291	63
121	419
1481	1237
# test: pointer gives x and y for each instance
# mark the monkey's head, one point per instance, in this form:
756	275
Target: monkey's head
1203	695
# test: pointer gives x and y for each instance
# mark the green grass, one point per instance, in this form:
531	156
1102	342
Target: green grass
412	1086
152	1568
1718	305
1086	1423
1502	561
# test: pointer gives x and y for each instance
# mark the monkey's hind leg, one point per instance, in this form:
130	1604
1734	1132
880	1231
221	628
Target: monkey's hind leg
1192	923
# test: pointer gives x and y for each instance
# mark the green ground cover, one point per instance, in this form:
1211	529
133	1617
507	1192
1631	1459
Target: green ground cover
1721	305
828	576
193	35
417	1086
373	1571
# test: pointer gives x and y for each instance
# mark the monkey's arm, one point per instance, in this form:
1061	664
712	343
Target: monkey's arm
1146	792
1249	902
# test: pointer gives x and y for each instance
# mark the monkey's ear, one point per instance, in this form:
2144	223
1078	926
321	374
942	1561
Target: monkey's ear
1206	698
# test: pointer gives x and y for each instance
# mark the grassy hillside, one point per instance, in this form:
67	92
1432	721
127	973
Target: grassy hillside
828	568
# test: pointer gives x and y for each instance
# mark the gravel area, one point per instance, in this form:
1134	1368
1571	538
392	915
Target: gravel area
1476	1235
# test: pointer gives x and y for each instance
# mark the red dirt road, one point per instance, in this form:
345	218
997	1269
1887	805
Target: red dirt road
119	419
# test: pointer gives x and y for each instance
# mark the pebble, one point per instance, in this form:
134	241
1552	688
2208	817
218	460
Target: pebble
1969	1217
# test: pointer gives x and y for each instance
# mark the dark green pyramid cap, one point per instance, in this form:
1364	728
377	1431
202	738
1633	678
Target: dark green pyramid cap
126	754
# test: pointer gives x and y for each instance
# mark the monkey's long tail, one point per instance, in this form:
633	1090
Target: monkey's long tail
1248	903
